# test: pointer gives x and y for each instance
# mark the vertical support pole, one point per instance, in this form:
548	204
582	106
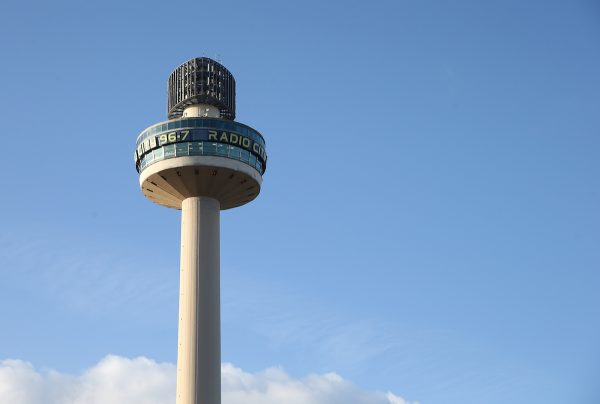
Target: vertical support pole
199	337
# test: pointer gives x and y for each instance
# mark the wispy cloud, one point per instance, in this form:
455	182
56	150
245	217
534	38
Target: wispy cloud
81	277
118	380
312	330
292	320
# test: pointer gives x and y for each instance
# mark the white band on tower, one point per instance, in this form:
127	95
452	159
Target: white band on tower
202	111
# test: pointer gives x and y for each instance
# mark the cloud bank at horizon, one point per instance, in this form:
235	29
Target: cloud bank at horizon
116	380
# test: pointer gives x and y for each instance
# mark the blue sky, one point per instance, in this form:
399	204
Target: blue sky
428	223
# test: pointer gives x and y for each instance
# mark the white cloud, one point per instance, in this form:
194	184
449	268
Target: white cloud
118	380
112	380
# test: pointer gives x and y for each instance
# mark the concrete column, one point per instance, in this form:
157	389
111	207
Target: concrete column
199	349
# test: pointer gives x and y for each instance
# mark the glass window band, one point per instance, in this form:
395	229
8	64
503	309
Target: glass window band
199	149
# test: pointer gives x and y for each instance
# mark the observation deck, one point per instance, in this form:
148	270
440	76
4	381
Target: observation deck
211	157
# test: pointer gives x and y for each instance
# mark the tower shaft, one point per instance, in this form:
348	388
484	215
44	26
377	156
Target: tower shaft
199	336
200	161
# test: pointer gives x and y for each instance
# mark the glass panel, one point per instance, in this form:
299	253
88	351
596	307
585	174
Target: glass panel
170	125
245	156
150	157
159	154
163	127
210	149
234	152
177	124
169	151
222	149
195	149
181	149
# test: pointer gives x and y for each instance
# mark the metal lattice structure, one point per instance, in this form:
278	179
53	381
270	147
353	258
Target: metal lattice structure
201	81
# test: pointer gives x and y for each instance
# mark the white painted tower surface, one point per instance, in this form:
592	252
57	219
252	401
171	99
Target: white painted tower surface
200	161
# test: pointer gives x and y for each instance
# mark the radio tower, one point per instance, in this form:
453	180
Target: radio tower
200	161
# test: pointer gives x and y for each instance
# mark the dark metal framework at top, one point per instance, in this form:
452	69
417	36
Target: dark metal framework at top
201	81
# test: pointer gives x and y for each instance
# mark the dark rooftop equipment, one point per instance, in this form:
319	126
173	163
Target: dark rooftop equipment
201	81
